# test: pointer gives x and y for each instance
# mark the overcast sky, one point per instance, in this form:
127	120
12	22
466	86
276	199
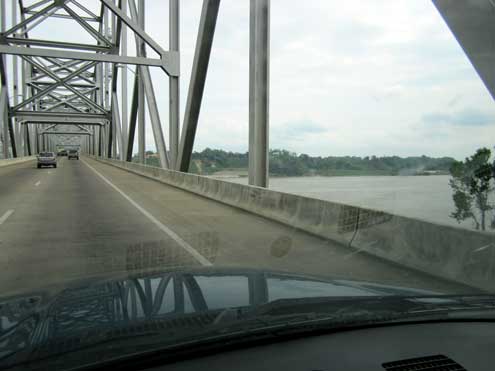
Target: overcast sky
381	77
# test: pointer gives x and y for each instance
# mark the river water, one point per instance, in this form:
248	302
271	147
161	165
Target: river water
421	197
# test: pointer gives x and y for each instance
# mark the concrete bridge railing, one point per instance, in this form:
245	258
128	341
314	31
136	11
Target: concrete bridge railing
444	251
16	161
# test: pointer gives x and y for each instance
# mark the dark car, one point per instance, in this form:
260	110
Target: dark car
73	153
47	159
62	152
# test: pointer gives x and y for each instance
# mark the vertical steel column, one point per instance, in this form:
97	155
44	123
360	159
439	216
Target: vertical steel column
156	125
15	87
259	76
141	103
106	82
112	38
25	128
4	116
123	46
133	119
116	125
100	100
174	41
101	141
3	93
204	42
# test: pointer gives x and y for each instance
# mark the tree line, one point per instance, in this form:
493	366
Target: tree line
286	163
472	180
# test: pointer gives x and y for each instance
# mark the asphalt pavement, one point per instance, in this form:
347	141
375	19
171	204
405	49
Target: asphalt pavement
86	219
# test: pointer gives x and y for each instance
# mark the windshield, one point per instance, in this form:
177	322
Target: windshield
217	163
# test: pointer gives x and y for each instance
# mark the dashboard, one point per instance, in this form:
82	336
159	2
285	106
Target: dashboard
427	347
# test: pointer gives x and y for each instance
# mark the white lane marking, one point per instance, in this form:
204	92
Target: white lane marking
6	216
37	183
200	258
483	248
49	172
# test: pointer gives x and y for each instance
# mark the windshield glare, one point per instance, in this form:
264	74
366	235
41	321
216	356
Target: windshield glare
273	163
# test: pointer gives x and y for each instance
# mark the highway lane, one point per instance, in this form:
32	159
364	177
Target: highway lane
71	226
87	218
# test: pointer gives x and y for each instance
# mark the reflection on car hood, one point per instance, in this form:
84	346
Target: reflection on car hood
41	324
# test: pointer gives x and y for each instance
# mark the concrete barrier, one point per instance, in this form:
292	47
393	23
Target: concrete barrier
16	161
447	252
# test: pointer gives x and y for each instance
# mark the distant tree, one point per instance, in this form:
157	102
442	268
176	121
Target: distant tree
472	185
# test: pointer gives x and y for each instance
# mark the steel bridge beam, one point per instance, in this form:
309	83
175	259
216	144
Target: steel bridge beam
259	57
149	91
174	111
204	43
169	64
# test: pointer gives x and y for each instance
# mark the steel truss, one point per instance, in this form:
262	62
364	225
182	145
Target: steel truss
76	83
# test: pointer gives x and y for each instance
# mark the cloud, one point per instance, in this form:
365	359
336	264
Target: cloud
379	77
466	117
297	130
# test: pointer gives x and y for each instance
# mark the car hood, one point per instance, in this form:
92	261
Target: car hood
41	325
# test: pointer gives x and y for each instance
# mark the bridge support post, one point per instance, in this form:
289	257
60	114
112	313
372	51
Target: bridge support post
124	118
15	89
259	73
141	103
174	83
198	78
3	121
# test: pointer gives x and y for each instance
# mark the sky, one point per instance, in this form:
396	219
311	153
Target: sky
381	77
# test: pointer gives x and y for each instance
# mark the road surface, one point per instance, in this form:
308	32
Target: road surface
86	218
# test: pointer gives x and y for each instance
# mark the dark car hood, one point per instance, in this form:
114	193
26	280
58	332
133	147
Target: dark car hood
41	325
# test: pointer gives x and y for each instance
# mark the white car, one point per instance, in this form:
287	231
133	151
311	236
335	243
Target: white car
47	159
73	153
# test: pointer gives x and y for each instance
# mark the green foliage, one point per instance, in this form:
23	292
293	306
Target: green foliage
472	185
285	163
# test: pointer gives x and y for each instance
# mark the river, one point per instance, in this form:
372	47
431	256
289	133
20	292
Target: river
421	197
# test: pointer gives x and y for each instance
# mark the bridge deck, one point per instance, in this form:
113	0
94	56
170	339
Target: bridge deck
85	218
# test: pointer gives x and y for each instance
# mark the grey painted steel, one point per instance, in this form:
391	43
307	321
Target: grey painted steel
59	82
37	4
65	16
80	87
66	133
110	58
4	98
154	117
15	85
123	52
63	81
82	7
174	42
473	24
39	14
55	44
67	116
117	126
152	104
98	36
133	119
141	99
8	127
3	121
134	26
26	71
259	76
204	42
